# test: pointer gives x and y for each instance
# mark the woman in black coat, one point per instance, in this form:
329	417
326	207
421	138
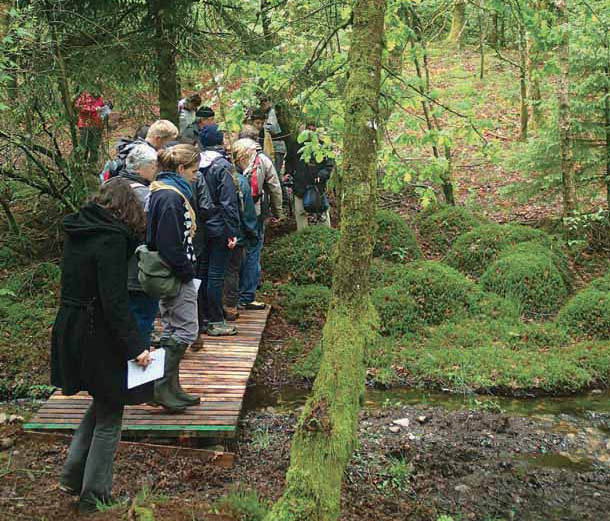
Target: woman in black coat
95	335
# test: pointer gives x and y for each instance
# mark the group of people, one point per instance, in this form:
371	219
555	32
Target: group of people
197	202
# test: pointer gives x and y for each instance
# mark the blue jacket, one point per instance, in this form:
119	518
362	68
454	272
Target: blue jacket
249	221
222	219
168	227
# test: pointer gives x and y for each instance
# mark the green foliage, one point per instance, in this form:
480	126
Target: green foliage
309	365
473	251
396	476
303	257
530	279
305	306
587	314
439	229
398	311
601	283
242	504
394	238
474	355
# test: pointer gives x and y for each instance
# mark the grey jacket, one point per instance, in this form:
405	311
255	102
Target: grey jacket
269	181
140	187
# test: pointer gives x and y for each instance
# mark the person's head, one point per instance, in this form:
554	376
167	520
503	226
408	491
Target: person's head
248	131
192	102
160	132
264	102
311	125
182	159
243	151
120	200
205	117
210	136
258	119
141	132
142	159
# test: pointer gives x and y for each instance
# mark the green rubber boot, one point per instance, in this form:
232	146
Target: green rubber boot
165	394
188	399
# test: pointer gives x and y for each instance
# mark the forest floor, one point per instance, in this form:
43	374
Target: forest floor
469	464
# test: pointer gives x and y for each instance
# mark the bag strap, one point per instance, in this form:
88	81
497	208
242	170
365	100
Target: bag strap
158	185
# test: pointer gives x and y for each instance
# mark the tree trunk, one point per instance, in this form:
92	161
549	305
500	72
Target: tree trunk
493	34
607	117
326	432
481	42
565	123
458	23
164	15
523	83
534	81
5	25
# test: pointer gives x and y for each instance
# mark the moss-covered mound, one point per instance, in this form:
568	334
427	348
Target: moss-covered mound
385	273
303	257
532	280
398	312
601	284
394	239
305	306
440	229
587	314
485	356
472	252
551	249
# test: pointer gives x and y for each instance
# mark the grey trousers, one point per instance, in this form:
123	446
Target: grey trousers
88	469
300	214
179	315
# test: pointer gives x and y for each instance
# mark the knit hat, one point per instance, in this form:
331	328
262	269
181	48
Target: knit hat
210	136
204	112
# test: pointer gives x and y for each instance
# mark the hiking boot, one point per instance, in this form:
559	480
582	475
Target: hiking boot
231	314
221	329
253	305
165	393
188	399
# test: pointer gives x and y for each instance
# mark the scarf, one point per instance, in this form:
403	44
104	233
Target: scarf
177	181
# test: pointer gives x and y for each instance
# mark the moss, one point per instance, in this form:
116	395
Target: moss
439	292
532	280
601	283
303	257
587	314
242	504
473	251
305	306
551	249
394	239
385	273
440	229
486	305
398	312
494	355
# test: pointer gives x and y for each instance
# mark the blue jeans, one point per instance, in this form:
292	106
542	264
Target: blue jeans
144	309
250	272
212	271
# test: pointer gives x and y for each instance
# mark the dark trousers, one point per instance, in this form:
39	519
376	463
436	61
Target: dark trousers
145	310
231	287
88	469
212	269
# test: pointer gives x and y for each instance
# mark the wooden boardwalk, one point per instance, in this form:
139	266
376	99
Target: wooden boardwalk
218	373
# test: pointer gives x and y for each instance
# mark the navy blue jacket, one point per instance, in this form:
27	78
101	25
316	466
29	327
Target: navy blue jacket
222	220
168	229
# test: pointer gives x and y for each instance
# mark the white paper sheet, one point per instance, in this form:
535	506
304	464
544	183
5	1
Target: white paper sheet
137	375
197	283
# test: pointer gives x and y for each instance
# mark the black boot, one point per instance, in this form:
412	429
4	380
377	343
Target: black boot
188	399
165	394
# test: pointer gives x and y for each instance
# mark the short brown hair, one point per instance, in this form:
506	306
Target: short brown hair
120	200
249	131
170	158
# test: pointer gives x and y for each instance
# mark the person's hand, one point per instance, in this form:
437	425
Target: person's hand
232	242
317	179
143	359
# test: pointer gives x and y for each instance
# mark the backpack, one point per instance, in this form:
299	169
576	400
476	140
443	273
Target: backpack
252	176
112	168
314	201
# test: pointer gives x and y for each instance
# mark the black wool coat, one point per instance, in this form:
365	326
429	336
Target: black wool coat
94	333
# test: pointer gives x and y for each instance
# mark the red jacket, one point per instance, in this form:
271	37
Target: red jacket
88	116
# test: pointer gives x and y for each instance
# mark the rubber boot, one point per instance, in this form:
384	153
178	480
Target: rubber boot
188	399
165	394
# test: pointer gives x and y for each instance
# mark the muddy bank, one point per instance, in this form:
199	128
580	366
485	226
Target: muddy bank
469	464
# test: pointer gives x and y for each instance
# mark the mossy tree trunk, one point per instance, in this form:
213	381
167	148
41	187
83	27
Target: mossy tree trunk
458	23
164	16
326	432
565	118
